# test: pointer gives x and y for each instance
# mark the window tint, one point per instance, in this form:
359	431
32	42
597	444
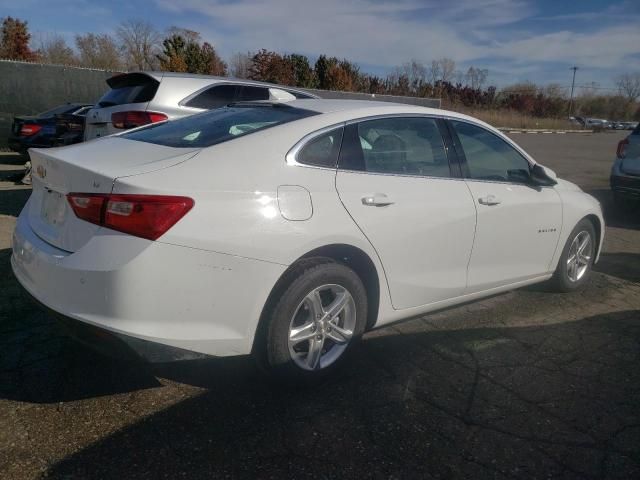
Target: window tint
214	97
249	93
488	156
129	88
217	126
323	150
398	145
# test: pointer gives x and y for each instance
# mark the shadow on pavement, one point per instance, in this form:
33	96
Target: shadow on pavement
553	400
12	201
615	215
622	265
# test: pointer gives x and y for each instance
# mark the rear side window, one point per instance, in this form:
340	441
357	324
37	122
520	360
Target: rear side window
217	126
323	150
215	97
396	146
129	88
249	93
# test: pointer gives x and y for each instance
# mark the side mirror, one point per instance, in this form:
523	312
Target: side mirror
519	175
539	176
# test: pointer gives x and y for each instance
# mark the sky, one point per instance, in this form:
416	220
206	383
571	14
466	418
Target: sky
516	40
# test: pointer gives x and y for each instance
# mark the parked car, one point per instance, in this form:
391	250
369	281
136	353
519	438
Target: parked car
140	98
596	123
287	230
62	125
625	173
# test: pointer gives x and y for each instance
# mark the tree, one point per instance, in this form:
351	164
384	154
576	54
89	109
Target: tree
98	51
302	72
212	63
239	65
187	55
139	43
267	66
629	86
14	41
476	77
54	49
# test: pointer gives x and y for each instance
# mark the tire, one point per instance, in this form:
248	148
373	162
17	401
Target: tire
285	351
570	276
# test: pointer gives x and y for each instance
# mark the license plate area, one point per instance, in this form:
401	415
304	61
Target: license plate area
54	207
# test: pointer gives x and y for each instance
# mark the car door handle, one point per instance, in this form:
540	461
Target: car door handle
376	200
489	200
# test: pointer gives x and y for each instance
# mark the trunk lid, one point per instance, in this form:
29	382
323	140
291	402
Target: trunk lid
129	91
90	167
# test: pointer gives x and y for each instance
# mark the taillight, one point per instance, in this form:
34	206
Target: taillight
29	129
134	118
622	148
145	216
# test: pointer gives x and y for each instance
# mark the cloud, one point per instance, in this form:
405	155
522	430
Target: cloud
386	33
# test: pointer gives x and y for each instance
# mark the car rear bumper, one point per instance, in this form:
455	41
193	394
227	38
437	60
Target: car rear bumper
626	185
194	300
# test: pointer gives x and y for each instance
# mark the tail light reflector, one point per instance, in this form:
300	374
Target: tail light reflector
622	148
135	118
29	129
145	216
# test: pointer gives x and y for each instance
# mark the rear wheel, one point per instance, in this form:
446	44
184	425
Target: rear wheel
574	267
317	321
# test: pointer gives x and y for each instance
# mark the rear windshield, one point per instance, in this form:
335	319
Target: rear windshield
58	111
129	88
217	126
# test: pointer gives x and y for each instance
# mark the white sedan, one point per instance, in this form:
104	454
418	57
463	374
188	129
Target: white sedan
287	230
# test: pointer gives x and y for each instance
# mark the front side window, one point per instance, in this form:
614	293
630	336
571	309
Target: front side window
214	97
217	126
323	150
396	145
489	157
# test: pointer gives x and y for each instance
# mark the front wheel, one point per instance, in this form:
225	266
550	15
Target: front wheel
316	322
576	261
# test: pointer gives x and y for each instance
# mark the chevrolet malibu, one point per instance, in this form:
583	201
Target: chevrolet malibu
287	230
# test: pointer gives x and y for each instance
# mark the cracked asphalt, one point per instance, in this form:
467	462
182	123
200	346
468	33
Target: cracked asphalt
529	384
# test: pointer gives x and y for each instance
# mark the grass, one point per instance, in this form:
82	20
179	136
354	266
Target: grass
512	119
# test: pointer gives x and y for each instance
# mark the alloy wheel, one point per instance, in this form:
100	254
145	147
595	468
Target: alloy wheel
322	327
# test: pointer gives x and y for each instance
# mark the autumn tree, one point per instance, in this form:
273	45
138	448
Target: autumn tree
139	43
98	51
187	55
14	40
267	66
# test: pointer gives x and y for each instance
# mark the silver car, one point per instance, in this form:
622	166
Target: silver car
140	98
625	173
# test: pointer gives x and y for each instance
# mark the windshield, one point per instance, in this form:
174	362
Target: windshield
217	126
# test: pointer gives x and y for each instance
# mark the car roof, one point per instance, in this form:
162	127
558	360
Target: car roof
361	108
191	76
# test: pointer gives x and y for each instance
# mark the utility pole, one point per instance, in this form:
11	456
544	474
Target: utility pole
573	83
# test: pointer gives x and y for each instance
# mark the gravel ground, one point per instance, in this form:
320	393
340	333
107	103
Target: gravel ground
528	384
